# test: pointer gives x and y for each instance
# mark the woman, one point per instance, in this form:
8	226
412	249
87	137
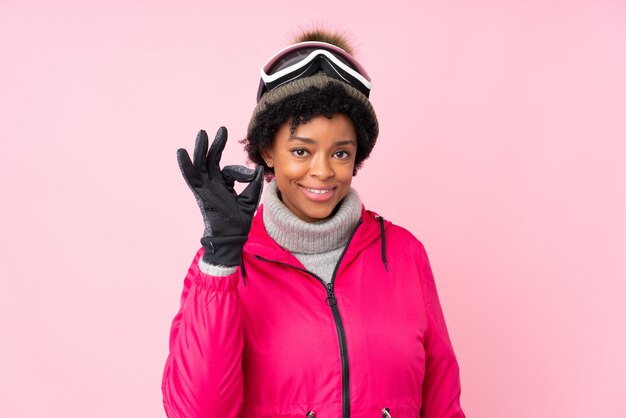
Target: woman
314	306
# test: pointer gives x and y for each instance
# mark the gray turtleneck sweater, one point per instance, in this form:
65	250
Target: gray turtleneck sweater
317	245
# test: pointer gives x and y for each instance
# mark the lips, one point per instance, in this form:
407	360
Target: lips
318	194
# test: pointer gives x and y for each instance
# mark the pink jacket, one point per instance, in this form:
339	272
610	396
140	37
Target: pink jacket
276	341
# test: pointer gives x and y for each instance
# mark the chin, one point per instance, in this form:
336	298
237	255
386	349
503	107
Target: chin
317	214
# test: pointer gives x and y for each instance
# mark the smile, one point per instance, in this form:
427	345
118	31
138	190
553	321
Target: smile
318	195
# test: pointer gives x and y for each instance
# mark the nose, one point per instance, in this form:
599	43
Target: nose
321	167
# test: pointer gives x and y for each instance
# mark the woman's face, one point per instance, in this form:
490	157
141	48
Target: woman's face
314	165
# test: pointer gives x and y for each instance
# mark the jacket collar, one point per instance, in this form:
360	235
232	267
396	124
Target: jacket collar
261	244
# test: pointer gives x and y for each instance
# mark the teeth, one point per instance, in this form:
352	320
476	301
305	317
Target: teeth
318	191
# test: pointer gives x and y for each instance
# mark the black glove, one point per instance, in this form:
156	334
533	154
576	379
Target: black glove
227	216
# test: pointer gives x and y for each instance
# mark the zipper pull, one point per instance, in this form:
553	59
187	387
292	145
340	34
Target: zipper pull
310	414
330	299
386	413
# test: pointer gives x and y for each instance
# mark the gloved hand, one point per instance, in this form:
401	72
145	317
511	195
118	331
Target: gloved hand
227	216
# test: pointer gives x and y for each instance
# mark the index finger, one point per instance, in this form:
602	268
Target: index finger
232	173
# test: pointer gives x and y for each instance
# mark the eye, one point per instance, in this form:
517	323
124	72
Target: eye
299	152
342	155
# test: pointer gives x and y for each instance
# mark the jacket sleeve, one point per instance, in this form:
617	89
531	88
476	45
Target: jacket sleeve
203	375
441	389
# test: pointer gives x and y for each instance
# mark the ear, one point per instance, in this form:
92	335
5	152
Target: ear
268	156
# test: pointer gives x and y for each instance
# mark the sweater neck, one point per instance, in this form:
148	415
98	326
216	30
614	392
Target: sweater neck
298	236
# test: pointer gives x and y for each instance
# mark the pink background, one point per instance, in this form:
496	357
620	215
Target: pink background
501	148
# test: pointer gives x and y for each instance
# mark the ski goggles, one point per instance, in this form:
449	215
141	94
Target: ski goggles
305	59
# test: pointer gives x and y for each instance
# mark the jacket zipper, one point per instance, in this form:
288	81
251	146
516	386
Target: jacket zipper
331	300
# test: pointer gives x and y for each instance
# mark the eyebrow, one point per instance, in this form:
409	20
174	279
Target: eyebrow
312	141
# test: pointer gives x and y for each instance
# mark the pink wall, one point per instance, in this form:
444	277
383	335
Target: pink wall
501	147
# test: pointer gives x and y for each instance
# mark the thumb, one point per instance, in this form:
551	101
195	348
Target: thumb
249	198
